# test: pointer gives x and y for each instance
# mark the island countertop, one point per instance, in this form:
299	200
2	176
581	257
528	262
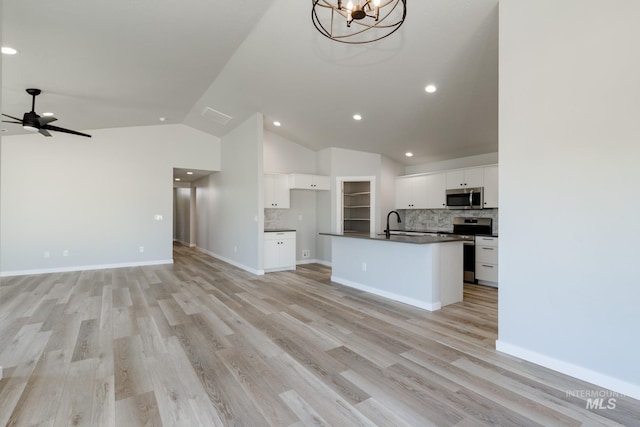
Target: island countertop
419	240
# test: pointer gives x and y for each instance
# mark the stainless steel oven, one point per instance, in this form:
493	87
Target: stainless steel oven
469	228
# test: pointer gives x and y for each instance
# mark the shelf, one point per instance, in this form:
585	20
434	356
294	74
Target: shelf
356	219
358	194
360	206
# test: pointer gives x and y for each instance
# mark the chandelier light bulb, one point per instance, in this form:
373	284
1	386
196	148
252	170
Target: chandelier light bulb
359	21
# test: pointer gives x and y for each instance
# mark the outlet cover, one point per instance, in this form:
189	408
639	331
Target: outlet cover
141	249
65	252
306	253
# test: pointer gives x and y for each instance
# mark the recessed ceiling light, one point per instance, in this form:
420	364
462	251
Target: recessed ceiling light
189	173
430	89
3	130
408	154
277	124
177	179
8	50
48	114
357	117
162	119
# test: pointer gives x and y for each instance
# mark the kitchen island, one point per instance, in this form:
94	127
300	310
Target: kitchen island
422	271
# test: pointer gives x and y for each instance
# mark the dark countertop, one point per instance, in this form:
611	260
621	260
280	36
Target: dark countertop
278	230
419	240
437	231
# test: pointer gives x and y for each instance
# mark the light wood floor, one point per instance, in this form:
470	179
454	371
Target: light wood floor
203	343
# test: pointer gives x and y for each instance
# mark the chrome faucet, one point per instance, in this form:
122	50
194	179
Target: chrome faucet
387	232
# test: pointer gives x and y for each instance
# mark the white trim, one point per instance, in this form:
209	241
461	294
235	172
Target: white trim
399	298
307	261
273	270
232	262
323	262
584	374
83	268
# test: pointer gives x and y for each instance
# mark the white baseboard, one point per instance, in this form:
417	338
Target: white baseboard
323	262
232	262
399	298
83	268
584	374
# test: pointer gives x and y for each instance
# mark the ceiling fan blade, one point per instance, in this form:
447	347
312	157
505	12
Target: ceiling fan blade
45	120
44	132
11	117
7	121
58	129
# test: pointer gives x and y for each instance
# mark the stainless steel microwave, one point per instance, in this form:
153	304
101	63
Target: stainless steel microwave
465	198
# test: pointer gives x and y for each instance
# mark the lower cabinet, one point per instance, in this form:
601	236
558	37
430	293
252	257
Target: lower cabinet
487	259
280	250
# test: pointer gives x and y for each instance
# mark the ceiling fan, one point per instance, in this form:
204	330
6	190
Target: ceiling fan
34	123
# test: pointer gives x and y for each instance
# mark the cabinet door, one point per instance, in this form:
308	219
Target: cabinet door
463	178
276	191
301	181
281	191
419	192
271	253
403	193
287	252
436	191
411	192
321	182
455	179
491	187
474	177
269	200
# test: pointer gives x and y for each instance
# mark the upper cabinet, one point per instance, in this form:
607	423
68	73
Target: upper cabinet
428	191
276	191
465	178
436	190
301	181
490	186
411	192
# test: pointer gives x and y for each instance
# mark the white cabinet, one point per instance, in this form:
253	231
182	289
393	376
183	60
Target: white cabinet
465	178
411	192
487	259
491	186
436	190
301	181
279	250
276	191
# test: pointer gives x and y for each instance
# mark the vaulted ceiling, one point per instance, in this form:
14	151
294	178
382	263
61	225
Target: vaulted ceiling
103	64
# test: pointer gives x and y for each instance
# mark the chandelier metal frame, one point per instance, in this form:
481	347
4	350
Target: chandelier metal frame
359	19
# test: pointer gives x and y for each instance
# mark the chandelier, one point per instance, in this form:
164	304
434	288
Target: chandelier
358	21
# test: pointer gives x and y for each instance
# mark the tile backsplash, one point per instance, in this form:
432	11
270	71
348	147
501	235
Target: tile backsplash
276	219
442	219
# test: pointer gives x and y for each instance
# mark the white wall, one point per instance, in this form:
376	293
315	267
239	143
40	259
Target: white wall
390	169
284	156
95	198
569	151
230	203
459	163
340	162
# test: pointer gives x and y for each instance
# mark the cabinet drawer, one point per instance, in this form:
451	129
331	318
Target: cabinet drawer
486	241
279	235
487	272
487	254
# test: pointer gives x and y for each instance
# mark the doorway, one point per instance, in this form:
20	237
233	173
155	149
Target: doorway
356	205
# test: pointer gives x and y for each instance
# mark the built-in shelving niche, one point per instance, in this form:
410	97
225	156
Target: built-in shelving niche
356	205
